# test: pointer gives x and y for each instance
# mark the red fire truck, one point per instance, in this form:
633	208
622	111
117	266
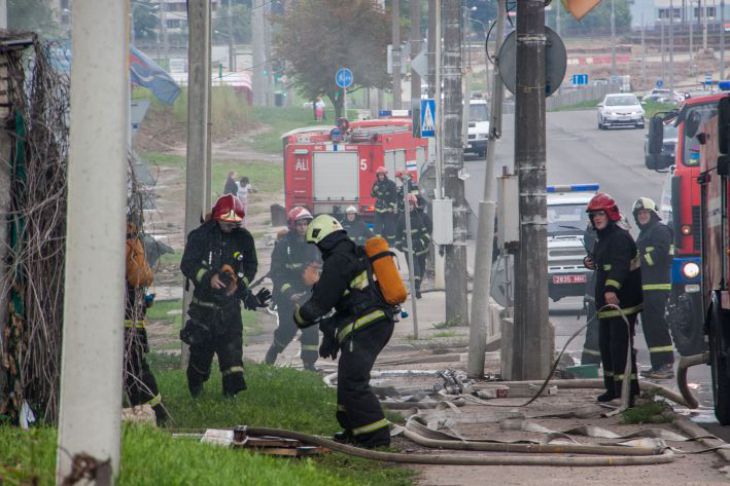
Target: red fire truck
713	133
326	176
682	159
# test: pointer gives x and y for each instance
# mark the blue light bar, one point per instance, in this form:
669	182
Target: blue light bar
383	113
574	188
724	85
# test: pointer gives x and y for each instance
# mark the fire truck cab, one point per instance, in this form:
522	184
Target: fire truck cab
326	170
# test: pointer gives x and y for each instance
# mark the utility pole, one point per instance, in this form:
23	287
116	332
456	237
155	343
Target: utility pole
664	64
703	12
231	43
722	39
691	41
531	327
258	57
453	157
91	357
431	48
671	46
395	52
557	20
643	51
3	14
613	38
480	317
415	11
197	179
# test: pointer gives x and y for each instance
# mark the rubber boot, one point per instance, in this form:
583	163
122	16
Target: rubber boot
161	416
195	388
271	355
309	365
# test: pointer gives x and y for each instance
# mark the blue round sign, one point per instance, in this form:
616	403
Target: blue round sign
343	78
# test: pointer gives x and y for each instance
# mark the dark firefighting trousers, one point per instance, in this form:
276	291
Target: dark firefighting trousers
139	382
614	340
358	409
385	224
287	329
656	330
419	261
225	340
591	351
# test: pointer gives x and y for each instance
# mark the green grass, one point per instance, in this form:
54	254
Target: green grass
265	177
651	108
164	159
447	324
583	105
282	120
172	259
649	412
445	334
165	311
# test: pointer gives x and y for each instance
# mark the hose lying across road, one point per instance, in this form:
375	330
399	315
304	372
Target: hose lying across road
660	457
686	362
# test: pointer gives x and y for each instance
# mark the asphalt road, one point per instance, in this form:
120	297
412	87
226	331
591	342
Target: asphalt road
577	152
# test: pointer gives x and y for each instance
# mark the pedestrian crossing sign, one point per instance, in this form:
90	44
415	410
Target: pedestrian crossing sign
428	118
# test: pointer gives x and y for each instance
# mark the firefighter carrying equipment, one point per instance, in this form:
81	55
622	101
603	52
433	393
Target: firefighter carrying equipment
604	202
385	270
228	209
321	227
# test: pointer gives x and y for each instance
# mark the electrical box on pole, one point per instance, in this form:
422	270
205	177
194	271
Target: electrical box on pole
508	211
443	221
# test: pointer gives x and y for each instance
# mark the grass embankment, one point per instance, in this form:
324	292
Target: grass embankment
583	105
276	397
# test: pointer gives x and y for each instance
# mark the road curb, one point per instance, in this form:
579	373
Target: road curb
703	436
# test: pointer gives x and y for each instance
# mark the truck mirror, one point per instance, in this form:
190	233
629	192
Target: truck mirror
723	125
658	162
692	124
656	135
723	165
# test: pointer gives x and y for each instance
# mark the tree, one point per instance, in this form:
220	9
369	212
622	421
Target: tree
146	21
241	24
33	16
317	37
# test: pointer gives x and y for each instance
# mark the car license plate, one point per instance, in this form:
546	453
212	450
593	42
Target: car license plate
569	279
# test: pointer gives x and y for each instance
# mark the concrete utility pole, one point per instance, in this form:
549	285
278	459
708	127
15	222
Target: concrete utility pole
91	358
453	157
643	51
431	48
480	316
231	39
663	50
703	12
532	351
613	38
722	39
415	6
671	45
691	41
258	55
395	53
3	14
197	178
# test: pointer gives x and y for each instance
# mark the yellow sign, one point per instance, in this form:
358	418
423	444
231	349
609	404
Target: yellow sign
579	8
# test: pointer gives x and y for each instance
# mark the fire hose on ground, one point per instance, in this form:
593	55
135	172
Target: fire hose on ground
686	362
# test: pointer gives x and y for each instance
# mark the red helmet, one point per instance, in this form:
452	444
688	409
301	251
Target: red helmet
381	170
228	209
298	213
604	202
399	173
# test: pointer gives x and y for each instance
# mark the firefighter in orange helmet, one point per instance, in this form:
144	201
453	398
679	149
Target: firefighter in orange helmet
292	262
220	260
618	284
386	204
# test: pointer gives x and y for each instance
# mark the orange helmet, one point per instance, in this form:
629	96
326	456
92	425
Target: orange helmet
604	202
298	213
381	170
228	209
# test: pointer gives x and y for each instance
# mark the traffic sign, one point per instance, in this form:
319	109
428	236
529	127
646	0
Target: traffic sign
556	60
428	118
344	78
659	83
579	80
708	79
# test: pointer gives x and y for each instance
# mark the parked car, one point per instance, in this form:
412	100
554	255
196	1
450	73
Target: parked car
620	109
663	95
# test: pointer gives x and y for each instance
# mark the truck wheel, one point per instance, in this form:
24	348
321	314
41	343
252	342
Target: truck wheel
685	324
718	365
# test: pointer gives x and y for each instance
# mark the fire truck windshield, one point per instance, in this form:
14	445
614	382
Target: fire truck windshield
691	151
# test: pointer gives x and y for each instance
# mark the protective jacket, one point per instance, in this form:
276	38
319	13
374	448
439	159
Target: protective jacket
385	193
207	250
357	230
421	228
656	252
617	270
412	189
291	255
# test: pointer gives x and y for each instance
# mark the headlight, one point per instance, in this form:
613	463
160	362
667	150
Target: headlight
690	270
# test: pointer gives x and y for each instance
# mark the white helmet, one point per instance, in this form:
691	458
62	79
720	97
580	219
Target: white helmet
351	209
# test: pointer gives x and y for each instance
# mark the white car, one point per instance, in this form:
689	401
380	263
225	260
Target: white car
620	110
478	127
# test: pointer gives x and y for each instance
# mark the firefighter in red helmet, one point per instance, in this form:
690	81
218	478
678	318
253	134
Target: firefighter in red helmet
386	204
295	268
618	283
220	260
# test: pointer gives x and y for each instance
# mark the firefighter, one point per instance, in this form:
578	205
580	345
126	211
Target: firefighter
656	252
385	193
407	181
293	262
356	228
220	260
140	384
591	351
421	228
360	327
618	283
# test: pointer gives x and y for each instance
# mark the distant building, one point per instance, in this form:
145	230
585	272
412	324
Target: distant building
654	12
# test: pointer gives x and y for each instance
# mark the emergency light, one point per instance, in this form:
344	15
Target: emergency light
574	188
394	113
724	85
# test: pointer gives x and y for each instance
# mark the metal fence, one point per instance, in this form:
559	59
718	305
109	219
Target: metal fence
568	96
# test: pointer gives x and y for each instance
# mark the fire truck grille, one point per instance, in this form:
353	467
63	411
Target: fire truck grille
696	228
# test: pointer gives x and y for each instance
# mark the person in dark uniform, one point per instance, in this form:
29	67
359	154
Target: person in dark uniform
356	228
220	260
386	204
421	228
291	262
656	251
139	382
618	295
407	182
360	328
591	351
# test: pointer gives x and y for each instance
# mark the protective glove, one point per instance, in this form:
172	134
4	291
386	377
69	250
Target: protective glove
261	299
329	347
